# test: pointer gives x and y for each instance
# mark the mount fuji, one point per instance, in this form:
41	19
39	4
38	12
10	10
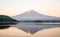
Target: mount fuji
33	15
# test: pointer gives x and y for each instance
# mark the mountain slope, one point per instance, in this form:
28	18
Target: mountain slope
33	15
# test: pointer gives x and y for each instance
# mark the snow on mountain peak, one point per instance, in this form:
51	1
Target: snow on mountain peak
30	13
33	15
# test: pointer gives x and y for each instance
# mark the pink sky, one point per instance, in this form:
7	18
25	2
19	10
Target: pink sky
15	7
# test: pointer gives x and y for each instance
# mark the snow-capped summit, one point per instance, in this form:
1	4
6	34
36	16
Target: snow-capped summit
30	13
33	15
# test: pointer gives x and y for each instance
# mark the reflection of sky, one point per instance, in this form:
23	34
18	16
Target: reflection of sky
19	6
53	32
12	31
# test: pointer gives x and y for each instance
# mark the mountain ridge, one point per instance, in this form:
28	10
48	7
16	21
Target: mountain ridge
33	15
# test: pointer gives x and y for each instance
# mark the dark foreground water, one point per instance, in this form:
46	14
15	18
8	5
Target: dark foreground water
32	29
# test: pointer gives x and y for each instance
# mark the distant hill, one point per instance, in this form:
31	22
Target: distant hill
35	16
7	20
4	18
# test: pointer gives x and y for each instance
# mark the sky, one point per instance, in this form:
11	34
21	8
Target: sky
15	7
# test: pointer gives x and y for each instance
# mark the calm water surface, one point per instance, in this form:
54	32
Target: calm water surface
37	29
34	26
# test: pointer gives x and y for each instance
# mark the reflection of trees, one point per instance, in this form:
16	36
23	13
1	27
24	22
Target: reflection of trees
42	21
37	21
4	27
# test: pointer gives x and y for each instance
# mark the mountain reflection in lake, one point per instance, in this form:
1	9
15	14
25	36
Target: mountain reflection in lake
36	28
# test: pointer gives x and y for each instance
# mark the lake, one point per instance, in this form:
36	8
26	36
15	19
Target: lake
32	29
36	26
